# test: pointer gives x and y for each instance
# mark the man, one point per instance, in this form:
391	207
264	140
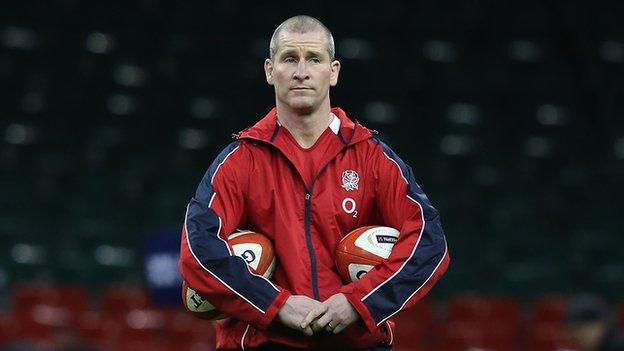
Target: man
282	178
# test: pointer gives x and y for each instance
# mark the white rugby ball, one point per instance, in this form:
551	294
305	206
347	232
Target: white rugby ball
257	251
362	249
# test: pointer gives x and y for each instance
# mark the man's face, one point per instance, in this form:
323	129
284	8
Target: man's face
301	71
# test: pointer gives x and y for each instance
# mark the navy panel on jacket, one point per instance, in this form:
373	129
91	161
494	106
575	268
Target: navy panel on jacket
203	225
390	296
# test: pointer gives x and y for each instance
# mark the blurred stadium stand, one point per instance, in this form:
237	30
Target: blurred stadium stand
511	114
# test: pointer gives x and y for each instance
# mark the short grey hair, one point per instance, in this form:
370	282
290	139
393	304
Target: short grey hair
302	24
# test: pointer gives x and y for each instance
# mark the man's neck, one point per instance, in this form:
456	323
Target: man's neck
305	128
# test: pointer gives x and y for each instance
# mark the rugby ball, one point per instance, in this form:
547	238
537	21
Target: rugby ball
362	249
257	251
198	306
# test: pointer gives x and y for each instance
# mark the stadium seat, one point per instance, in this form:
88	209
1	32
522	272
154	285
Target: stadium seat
415	328
501	335
549	310
70	299
73	298
184	329
487	334
488	322
484	308
547	336
142	325
118	300
97	327
147	345
491	322
8	328
40	323
462	335
26	296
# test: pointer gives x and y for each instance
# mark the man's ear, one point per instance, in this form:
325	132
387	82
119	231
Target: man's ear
268	71
335	71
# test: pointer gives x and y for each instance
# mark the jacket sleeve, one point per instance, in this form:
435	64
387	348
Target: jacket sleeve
206	260
420	255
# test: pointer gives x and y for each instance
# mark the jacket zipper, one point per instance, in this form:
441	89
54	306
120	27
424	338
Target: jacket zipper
307	219
308	229
308	234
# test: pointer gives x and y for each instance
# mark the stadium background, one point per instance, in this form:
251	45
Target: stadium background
510	113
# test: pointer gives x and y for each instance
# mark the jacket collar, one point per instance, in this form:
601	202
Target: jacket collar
267	128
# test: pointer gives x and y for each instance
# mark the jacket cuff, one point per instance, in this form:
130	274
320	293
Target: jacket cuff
273	309
360	307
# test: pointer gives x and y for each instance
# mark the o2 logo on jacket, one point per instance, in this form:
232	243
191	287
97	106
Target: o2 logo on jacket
349	206
350	180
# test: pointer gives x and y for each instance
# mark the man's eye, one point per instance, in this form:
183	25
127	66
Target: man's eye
289	60
315	59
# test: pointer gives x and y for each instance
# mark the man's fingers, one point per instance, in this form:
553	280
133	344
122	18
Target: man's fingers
330	327
323	321
339	328
308	331
313	315
315	327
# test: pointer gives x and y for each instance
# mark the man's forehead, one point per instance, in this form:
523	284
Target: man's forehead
311	40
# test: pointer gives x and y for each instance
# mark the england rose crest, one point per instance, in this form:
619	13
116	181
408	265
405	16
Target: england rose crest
350	180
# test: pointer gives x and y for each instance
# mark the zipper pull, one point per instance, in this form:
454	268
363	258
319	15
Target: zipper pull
307	196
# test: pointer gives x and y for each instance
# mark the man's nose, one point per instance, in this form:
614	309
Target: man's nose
302	70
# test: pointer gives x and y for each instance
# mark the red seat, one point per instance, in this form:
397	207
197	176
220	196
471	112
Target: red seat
489	335
97	328
8	328
195	345
185	329
181	326
73	297
147	345
501	335
45	313
415	328
118	300
26	296
466	308
40	322
143	325
550	309
462	335
493	323
462	308
65	300
548	336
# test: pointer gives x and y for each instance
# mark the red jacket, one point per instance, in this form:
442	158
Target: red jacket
255	183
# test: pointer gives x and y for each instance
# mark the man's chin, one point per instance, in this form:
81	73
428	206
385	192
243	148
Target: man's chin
302	107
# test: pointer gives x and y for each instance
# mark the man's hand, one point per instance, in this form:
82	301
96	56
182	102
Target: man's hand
295	309
336	313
